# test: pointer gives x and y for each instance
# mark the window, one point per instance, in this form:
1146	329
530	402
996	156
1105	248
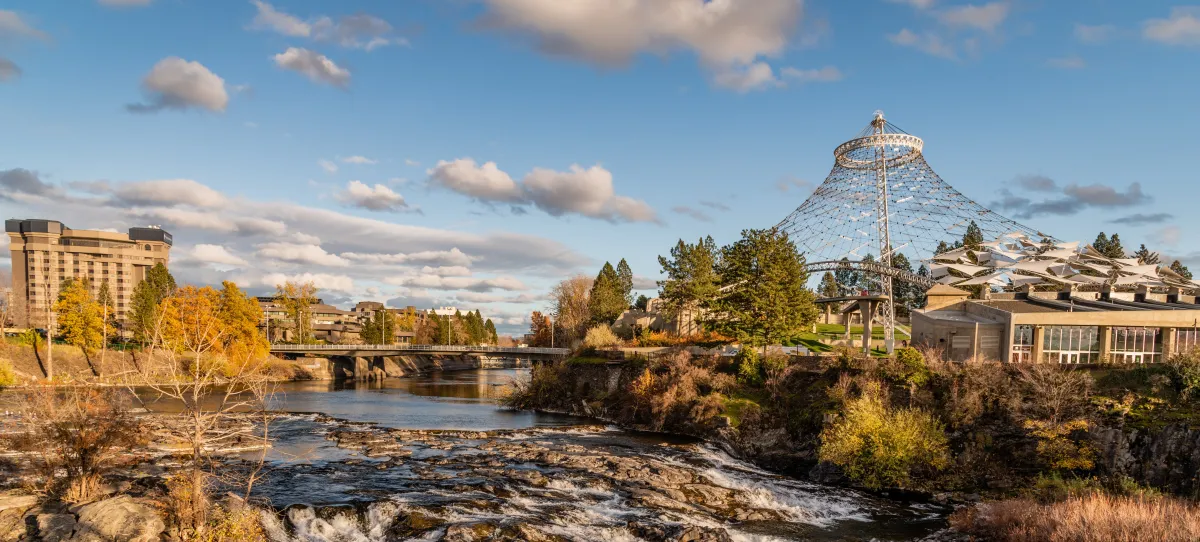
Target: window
1022	348
1187	339
1071	344
1136	344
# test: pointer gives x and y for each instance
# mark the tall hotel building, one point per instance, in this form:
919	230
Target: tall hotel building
46	252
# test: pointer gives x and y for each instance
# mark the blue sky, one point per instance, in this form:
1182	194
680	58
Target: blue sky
613	132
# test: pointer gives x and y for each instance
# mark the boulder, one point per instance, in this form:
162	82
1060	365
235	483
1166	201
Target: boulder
55	527
118	518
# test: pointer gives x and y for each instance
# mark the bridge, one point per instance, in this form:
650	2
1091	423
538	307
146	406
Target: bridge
375	361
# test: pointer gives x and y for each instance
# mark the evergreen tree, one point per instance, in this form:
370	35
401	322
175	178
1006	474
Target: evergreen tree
973	238
829	286
1114	249
691	279
847	279
905	293
867	281
767	300
1145	257
541	329
607	301
1178	267
145	300
641	303
1101	243
490	328
380	329
625	276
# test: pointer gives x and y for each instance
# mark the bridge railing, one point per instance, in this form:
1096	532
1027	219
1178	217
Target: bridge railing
415	348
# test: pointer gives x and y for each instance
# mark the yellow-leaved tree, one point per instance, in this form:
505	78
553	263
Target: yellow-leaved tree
242	343
296	298
81	319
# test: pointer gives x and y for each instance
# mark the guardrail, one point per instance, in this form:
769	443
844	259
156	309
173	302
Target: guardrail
415	348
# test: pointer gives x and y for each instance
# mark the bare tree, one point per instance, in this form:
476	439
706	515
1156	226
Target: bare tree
570	309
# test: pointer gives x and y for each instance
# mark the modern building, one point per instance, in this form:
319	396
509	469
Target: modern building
1067	326
328	323
47	252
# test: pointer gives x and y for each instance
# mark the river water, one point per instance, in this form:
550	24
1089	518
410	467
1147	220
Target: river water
433	458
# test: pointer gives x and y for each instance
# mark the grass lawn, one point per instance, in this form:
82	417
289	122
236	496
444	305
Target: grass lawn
811	341
838	331
735	404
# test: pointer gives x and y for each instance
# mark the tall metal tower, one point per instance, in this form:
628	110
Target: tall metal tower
883	199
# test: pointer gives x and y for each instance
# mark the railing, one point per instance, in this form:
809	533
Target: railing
415	348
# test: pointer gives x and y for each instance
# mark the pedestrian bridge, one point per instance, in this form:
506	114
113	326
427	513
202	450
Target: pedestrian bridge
377	361
370	350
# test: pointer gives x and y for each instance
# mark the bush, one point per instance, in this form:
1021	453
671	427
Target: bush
601	337
749	367
8	377
912	367
1185	373
656	339
543	385
878	446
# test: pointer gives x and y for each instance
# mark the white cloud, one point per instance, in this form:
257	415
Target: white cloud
588	192
724	34
217	255
1181	28
298	253
327	282
13	27
987	17
644	283
452	257
756	76
435	282
1071	62
125	3
411	163
1093	34
378	198
175	83
485	183
328	166
359	160
915	4
169	192
447	271
315	66
184	218
928	43
359	31
828	74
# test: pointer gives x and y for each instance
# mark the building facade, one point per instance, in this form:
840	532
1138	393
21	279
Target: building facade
1066	327
47	252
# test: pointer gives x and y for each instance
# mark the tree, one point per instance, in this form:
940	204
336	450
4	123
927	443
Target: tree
1145	257
1109	246
829	286
541	329
1178	267
571	309
407	320
691	279
240	315
296	298
764	298
380	329
847	279
108	314
973	238
490	328
80	319
625	274
905	294
641	303
606	301
147	296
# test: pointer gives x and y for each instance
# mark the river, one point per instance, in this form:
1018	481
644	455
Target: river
433	457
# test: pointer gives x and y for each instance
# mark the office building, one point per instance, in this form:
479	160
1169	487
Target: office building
47	252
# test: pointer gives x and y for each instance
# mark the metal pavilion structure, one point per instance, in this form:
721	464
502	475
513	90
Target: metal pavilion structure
881	199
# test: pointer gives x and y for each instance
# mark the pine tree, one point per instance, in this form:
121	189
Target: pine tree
1145	257
973	238
144	304
905	293
767	300
493	337
1178	267
641	303
1101	243
1114	249
380	329
625	276
607	301
691	279
847	279
829	286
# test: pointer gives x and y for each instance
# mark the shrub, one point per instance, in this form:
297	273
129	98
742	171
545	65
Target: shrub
913	370
749	367
655	339
543	385
1185	372
8	377
1093	517
601	337
883	447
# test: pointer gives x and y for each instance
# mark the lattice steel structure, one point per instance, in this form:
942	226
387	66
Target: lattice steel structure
882	198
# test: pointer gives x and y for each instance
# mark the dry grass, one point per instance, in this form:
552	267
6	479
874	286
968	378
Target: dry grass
1091	518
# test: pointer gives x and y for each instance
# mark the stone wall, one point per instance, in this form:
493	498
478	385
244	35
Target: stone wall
1168	458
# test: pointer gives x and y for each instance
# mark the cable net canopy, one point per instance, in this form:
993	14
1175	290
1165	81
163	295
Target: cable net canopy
884	168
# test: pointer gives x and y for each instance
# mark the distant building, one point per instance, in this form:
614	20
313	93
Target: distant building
654	318
328	323
46	252
444	311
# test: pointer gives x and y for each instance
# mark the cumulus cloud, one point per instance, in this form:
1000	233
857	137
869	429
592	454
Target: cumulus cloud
452	257
315	66
447	271
8	70
1070	62
216	255
359	160
987	17
1181	28
1139	219
170	192
359	31
728	35
588	192
377	198
328	166
434	282
1073	199
300	253
1094	34
175	83
927	43
692	212
324	281
22	181
745	78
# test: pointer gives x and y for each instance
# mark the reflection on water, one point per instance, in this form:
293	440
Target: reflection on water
450	400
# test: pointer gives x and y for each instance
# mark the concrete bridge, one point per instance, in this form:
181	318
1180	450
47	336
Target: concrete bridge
375	361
